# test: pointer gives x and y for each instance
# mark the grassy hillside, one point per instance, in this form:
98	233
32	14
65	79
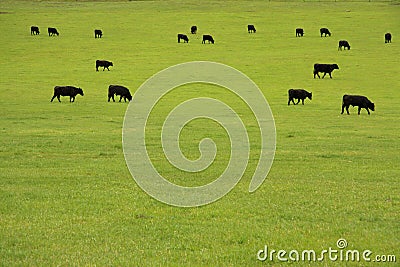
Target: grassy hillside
67	197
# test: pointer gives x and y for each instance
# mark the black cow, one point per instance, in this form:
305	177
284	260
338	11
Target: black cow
208	38
52	31
325	68
388	37
34	30
359	101
299	94
122	91
183	37
344	44
193	29
324	31
299	32
70	91
103	63
251	28
98	33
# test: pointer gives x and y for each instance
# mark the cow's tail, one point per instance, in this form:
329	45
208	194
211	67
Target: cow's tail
344	96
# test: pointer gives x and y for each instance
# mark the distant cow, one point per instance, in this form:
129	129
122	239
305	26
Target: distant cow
70	91
103	63
251	28
359	101
208	38
98	33
325	68
324	31
388	37
344	44
299	94
122	91
193	29
182	37
52	31
34	30
299	32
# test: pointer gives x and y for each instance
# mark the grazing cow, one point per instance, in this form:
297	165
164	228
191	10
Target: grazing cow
325	68
344	44
34	30
193	29
98	33
183	37
103	63
299	32
251	28
388	37
299	94
52	31
122	91
70	91
359	101
208	38
324	31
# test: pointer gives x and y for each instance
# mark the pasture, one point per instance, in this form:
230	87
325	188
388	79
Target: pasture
67	197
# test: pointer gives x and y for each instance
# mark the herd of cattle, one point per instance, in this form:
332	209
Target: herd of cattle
298	94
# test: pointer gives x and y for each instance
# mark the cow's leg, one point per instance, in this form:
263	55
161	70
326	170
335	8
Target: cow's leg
288	103
298	100
324	75
330	75
52	98
342	109
59	100
368	111
359	110
302	101
120	98
347	109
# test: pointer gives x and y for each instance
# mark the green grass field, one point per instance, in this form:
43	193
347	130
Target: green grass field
67	197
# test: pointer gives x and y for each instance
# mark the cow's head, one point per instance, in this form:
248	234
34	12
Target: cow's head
129	97
79	91
111	64
371	106
335	66
309	95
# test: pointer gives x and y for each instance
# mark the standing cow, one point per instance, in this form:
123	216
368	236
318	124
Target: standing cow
324	31
34	30
193	29
359	101
183	37
388	37
208	38
103	63
299	94
98	33
122	91
251	28
344	44
325	68
52	31
299	32
70	91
